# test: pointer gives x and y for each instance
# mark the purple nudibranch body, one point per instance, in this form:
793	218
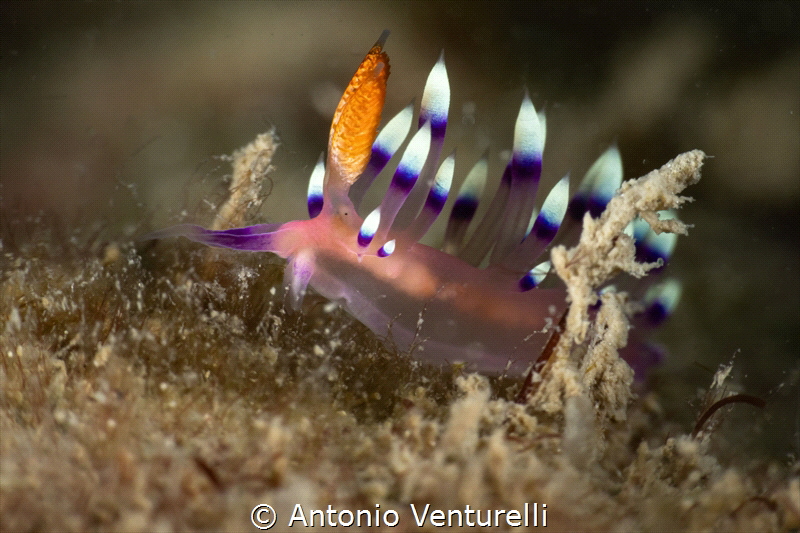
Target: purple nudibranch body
451	307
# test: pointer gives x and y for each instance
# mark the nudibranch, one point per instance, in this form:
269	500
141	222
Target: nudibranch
478	300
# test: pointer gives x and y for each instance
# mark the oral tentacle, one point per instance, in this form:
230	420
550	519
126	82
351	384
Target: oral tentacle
238	239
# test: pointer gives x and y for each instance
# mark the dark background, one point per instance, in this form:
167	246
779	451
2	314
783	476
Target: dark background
111	110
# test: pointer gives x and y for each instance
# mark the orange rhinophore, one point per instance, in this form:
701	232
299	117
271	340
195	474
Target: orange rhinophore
355	123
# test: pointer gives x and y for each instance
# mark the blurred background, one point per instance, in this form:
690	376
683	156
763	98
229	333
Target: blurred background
120	110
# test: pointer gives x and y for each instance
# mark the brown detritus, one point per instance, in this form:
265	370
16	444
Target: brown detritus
586	357
605	250
252	165
734	398
204	467
529	386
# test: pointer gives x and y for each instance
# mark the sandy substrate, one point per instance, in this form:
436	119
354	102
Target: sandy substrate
157	387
